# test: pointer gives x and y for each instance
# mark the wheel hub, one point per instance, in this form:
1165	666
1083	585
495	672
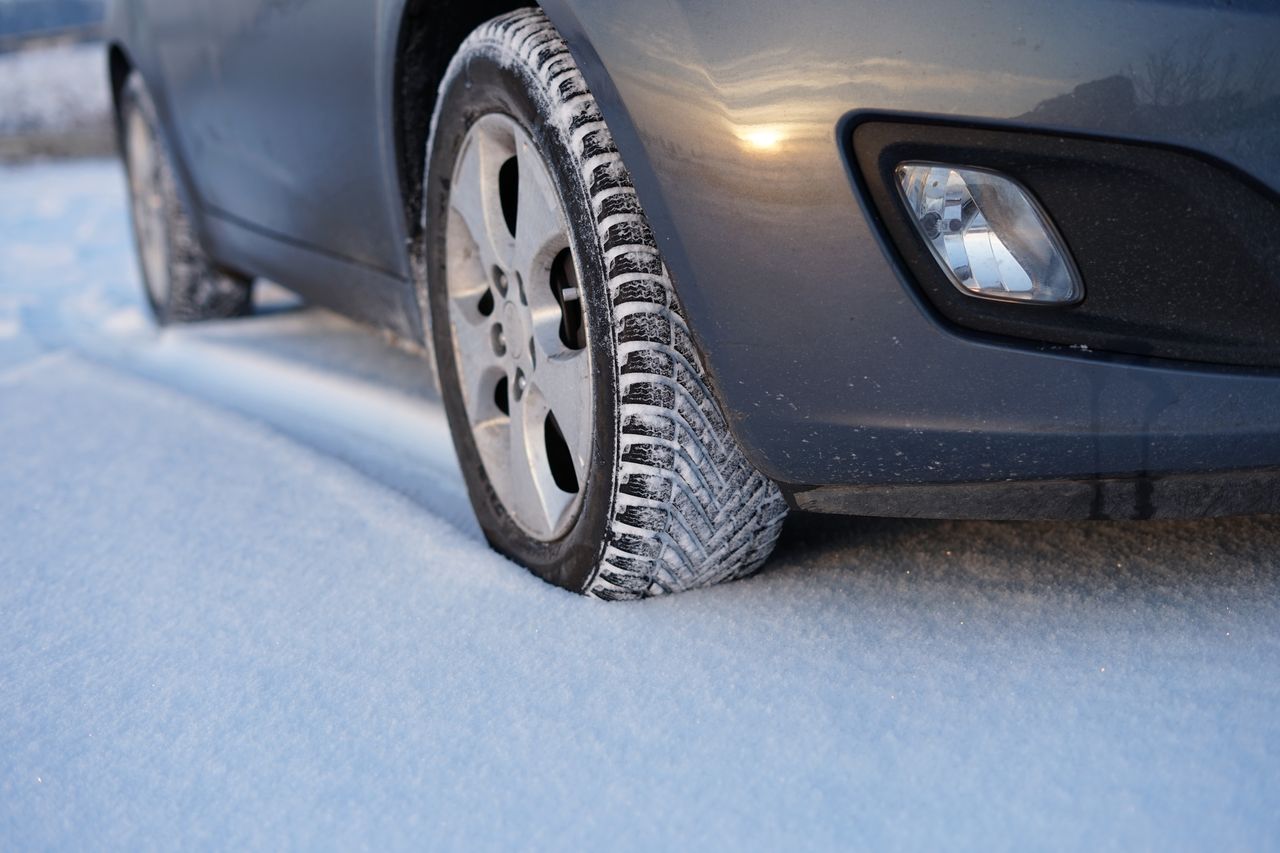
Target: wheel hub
146	191
515	332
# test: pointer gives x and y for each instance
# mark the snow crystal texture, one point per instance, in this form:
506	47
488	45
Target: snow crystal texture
243	605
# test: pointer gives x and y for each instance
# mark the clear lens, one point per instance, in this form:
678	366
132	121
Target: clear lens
992	239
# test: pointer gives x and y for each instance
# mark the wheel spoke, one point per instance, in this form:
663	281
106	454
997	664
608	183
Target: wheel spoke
534	491
473	347
540	228
493	442
474	196
563	381
516	373
545	317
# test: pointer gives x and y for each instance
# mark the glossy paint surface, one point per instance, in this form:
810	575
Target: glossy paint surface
729	116
281	112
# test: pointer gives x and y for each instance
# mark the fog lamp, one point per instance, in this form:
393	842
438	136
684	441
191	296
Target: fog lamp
989	235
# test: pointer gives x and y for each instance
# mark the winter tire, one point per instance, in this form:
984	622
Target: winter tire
593	451
181	283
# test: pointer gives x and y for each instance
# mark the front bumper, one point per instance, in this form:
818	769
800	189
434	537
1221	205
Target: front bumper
831	371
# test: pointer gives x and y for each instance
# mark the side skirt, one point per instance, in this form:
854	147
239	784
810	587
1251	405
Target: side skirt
1137	497
360	292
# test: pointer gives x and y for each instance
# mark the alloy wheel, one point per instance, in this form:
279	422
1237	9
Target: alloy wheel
518	328
146	191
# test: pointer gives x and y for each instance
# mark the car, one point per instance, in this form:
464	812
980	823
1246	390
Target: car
682	267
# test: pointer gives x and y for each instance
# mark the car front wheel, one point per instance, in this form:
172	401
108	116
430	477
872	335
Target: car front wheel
593	451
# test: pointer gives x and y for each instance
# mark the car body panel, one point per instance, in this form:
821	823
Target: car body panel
730	118
733	119
284	135
290	133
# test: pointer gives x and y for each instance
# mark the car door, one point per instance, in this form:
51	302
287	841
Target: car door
289	136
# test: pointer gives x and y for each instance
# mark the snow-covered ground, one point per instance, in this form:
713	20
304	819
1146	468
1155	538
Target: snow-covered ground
55	100
53	88
243	603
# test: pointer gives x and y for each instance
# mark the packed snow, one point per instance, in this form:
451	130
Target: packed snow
243	604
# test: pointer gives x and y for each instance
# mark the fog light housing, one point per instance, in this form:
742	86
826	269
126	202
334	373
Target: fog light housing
988	234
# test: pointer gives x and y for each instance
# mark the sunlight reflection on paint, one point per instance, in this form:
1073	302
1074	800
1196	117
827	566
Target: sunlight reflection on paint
761	138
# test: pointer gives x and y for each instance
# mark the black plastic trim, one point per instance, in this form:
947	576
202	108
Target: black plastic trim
1205	495
1180	255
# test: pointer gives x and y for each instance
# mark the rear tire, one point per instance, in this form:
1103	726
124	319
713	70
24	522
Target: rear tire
667	500
182	285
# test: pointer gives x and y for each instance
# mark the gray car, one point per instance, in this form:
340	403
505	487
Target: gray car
680	265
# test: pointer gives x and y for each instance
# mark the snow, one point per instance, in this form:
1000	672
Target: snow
244	605
54	88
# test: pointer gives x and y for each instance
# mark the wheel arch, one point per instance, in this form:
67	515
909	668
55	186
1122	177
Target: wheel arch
421	57
428	34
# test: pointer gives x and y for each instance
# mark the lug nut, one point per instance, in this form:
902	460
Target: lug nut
521	382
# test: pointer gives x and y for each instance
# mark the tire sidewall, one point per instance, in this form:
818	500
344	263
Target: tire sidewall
491	83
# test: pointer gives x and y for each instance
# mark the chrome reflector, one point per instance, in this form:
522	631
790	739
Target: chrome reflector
988	234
